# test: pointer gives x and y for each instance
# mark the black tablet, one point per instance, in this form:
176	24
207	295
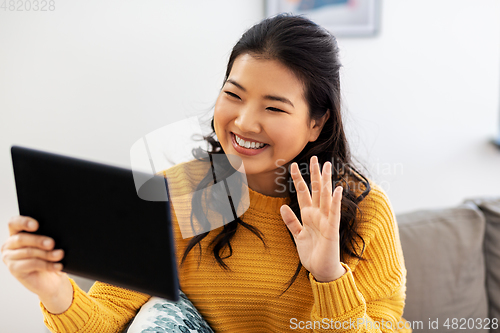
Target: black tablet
94	213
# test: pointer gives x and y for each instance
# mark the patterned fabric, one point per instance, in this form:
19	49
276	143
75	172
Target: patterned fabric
159	315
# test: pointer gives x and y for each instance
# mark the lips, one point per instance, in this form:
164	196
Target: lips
244	145
248	143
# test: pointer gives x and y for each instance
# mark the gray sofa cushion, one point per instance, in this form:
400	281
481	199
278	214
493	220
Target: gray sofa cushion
491	210
443	251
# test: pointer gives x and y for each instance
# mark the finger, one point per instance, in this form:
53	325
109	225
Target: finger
17	267
326	190
315	181
34	253
334	217
24	239
22	223
291	220
303	196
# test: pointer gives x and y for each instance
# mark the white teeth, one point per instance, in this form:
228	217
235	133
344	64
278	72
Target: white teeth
248	144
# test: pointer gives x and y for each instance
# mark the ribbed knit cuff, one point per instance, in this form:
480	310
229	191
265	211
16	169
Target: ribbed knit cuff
336	298
75	317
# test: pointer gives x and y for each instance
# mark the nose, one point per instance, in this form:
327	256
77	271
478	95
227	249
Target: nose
248	120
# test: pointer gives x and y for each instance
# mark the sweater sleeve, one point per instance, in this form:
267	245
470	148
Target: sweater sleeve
370	296
104	309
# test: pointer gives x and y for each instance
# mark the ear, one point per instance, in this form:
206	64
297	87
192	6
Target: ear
317	126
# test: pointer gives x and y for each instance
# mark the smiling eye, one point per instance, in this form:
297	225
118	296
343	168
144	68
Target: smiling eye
232	94
275	109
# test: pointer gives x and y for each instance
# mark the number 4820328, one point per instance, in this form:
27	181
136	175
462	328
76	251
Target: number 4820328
28	5
471	323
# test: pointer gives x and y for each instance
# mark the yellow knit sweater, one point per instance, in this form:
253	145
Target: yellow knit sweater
369	297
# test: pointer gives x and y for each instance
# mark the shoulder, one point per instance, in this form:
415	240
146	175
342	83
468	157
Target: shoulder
376	221
376	204
183	180
185	177
194	168
375	208
372	200
383	252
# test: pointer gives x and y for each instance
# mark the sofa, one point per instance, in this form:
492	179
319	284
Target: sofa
452	257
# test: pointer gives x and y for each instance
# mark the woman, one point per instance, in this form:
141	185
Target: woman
304	255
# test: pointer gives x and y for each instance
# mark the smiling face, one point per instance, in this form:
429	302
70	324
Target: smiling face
262	117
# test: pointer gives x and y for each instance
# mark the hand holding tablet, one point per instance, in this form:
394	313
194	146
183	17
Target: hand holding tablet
33	260
93	213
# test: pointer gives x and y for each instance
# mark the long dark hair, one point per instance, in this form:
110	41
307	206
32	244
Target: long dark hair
311	53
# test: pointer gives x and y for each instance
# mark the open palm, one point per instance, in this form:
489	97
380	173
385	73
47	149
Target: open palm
317	238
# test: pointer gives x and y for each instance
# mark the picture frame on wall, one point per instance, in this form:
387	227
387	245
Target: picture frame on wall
343	18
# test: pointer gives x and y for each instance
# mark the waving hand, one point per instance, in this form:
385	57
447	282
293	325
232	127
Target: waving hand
317	238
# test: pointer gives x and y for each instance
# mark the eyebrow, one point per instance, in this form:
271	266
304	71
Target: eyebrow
269	97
